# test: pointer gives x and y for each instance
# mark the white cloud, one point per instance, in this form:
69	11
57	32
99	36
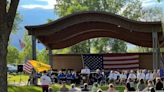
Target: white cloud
149	3
49	4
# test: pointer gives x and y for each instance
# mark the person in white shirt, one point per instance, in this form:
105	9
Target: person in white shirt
132	76
149	76
142	76
116	75
138	75
45	82
86	70
85	74
111	75
123	77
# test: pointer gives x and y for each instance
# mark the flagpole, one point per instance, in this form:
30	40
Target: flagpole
82	60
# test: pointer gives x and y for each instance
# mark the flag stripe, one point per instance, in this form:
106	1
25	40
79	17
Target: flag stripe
27	67
121	57
121	66
116	61
121	62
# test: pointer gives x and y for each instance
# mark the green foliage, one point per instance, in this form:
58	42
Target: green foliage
43	56
149	14
159	0
152	14
26	52
117	44
17	20
100	45
96	45
12	55
140	49
62	51
132	10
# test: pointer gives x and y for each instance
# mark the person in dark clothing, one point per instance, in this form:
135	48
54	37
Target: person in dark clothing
129	88
159	85
85	89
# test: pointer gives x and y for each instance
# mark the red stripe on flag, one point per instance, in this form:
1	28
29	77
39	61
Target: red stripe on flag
121	64
27	67
121	61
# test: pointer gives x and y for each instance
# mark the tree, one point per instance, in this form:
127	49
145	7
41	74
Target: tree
97	45
116	44
12	55
152	14
149	14
26	52
6	23
43	56
128	8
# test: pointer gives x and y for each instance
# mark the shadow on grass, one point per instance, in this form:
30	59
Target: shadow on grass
54	87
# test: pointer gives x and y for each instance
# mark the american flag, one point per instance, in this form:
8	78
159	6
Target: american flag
93	61
111	61
121	61
27	67
22	44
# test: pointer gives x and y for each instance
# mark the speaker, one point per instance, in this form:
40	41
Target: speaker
20	68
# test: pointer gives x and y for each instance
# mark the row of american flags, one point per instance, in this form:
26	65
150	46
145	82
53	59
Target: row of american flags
103	61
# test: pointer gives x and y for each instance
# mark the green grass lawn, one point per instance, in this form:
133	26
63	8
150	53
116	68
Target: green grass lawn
16	78
54	87
32	88
24	89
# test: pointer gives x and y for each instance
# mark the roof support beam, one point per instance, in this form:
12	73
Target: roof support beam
156	51
33	48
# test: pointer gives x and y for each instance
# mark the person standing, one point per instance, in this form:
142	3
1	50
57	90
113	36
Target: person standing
85	73
45	82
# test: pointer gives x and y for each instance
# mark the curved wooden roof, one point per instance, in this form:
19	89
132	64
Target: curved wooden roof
81	26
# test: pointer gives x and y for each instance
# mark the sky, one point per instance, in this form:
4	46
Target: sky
36	12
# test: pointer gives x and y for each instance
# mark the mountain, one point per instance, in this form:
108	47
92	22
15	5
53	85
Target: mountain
32	17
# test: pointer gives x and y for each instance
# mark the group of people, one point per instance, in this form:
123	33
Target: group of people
133	80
